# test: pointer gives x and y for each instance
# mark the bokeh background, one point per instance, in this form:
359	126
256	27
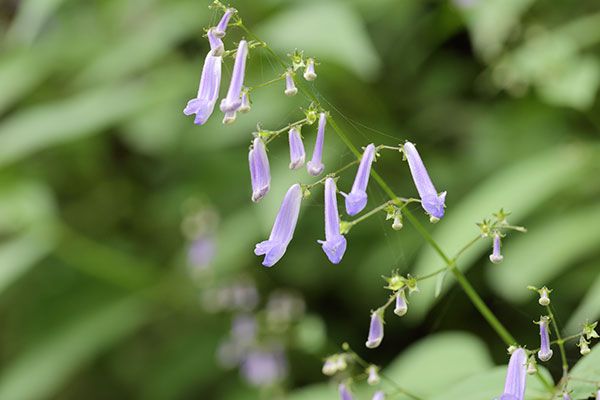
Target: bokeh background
127	232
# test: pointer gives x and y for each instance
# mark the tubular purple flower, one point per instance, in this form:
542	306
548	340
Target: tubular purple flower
431	201
245	107
516	376
356	200
290	87
231	103
216	44
315	166
375	329
496	257
309	72
222	26
297	154
283	230
260	174
345	393
334	244
401	306
545	352
208	91
379	395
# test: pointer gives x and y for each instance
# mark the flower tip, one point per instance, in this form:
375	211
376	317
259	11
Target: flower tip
260	193
297	163
355	202
315	169
229	118
545	355
371	344
496	259
334	248
291	92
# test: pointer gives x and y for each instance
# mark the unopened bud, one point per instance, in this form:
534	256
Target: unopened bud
329	367
401	306
245	107
544	299
373	378
309	72
532	366
583	345
397	225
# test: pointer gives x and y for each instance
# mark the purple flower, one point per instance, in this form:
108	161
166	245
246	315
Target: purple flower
208	91
514	388
245	107
496	257
375	329
544	299
297	154
345	393
219	30
356	200
260	174
290	87
315	166
379	395
262	367
401	306
334	244
216	44
545	352
309	72
373	376
231	103
432	203
283	229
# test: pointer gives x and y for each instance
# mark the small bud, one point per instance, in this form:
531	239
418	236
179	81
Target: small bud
401	306
379	395
511	349
375	329
373	378
219	30
544	299
397	224
531	366
245	107
583	345
329	367
340	363
411	284
545	352
311	117
309	72
496	257
290	87
589	330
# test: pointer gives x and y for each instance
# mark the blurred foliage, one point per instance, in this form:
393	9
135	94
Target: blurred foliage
106	188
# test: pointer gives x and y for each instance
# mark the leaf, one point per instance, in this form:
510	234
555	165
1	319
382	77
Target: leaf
587	309
429	366
326	30
46	366
539	176
546	250
587	369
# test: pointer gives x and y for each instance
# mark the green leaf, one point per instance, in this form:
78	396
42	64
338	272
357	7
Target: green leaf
345	40
46	366
587	369
557	243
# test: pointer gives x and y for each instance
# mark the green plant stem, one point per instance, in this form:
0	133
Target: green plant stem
374	211
267	83
331	175
465	247
561	346
274	134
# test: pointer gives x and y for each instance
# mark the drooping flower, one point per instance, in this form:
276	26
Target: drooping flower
219	30
216	44
315	166
544	299
372	375
401	306
283	229
375	329
245	107
260	173
334	244
516	376
231	103
356	200
379	395
431	201
309	72
345	393
496	257
297	154
208	91
290	87
545	352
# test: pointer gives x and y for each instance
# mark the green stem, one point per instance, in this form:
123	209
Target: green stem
267	83
465	247
331	175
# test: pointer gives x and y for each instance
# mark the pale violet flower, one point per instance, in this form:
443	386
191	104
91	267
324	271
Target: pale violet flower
545	352
372	375
233	101
216	44
290	87
297	154
309	72
345	393
431	201
260	173
245	107
208	91
315	166
401	306
516	376
496	257
544	299
375	329
334	244
356	200
283	230
219	30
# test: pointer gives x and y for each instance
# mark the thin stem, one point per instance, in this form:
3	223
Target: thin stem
274	134
267	83
431	275
374	211
561	346
563	340
331	175
465	247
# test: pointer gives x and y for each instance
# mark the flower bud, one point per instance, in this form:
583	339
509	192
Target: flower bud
309	72
340	362
531	366
583	345
511	349
375	329
401	306
290	87
245	107
397	224
373	376
544	299
496	257
329	367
